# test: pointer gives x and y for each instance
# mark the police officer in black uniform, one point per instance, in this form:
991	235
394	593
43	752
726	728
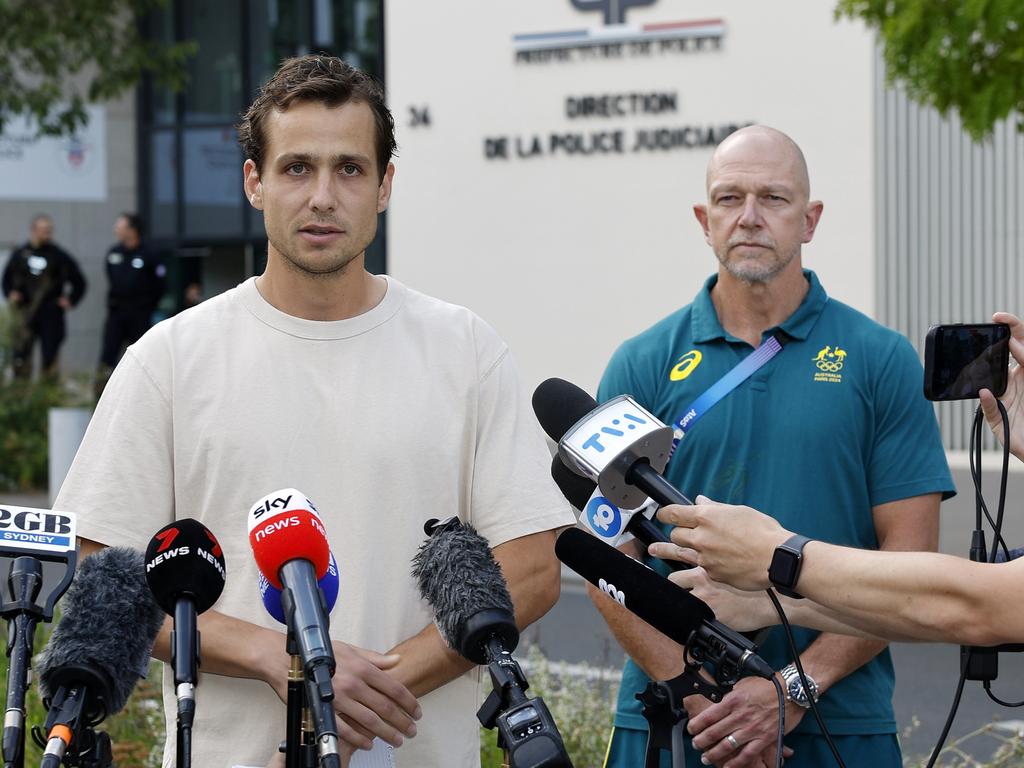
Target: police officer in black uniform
41	281
136	279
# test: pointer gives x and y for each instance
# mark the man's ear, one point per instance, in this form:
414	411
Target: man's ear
384	190
252	184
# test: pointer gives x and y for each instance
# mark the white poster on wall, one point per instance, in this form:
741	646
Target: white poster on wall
54	168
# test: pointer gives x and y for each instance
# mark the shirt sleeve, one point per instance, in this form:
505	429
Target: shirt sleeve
907	457
121	483
624	376
513	494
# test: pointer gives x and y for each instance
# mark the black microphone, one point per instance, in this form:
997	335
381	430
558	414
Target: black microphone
459	578
100	648
185	572
667	607
618	445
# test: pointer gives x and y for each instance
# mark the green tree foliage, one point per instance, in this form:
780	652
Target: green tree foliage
966	55
56	56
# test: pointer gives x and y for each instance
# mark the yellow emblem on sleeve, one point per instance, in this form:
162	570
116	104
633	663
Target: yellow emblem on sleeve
686	365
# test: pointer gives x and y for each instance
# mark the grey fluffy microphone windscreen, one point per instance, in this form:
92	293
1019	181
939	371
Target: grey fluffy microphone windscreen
107	631
458	576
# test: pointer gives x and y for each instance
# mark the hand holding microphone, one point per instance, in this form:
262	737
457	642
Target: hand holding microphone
734	544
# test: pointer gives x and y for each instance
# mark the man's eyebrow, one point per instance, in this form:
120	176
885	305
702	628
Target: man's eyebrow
311	159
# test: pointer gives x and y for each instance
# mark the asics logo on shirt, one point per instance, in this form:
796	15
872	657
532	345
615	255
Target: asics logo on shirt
685	365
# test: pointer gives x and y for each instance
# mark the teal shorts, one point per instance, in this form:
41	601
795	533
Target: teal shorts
627	748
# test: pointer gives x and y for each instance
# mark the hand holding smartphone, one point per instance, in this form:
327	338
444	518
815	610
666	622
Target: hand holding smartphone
960	360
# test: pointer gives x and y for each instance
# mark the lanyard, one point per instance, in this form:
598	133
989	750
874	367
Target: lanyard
742	371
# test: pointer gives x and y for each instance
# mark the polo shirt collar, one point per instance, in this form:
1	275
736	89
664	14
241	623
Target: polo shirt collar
706	326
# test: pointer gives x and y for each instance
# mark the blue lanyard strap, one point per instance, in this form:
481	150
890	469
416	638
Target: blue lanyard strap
740	373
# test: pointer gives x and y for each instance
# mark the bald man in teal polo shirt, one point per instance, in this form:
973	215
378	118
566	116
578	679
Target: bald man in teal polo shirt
832	436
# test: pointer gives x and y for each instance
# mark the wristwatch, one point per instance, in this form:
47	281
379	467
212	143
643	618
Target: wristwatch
785	568
795	690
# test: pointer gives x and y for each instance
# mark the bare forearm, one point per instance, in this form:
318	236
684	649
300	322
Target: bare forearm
234	648
925	596
532	575
659	657
832	657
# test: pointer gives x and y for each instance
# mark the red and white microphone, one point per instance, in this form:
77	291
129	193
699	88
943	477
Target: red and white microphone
290	546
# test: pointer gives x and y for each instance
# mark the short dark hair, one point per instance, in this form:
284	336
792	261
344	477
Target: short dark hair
317	78
134	221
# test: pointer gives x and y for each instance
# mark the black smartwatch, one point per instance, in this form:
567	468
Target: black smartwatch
785	568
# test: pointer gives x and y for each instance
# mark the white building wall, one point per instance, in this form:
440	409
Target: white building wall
569	255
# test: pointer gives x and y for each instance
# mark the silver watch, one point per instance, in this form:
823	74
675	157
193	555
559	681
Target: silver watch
795	690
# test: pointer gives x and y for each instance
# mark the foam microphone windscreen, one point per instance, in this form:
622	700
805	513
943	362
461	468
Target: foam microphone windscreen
667	607
283	526
559	404
271	595
184	559
576	488
460	579
110	621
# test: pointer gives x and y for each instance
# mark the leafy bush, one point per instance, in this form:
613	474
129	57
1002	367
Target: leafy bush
24	408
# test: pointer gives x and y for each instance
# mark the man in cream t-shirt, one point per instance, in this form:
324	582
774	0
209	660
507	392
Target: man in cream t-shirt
385	406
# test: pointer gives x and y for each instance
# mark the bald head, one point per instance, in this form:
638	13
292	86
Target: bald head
760	145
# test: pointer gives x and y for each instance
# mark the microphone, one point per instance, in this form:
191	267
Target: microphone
99	649
186	574
271	595
289	544
604	519
459	578
667	607
619	445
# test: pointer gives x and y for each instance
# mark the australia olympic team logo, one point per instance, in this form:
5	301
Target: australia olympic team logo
829	362
604	517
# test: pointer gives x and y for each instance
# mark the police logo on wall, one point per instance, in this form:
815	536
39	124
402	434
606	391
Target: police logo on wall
75	156
616	37
829	362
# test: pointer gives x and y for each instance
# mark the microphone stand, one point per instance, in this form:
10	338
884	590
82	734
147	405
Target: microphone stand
24	582
185	661
300	747
662	700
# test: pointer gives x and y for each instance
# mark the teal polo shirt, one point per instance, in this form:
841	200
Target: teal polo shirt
833	425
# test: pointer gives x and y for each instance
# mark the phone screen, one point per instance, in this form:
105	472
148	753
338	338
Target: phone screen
961	360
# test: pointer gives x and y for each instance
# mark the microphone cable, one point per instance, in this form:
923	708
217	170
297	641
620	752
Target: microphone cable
803	681
979	554
782	721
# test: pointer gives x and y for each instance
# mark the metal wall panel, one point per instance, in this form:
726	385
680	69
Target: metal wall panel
949	235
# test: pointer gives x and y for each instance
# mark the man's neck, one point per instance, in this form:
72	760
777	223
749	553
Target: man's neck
747	310
35	244
340	296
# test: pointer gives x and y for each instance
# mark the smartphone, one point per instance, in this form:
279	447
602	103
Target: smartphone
961	360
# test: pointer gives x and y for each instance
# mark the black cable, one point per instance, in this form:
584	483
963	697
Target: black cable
952	711
988	689
974	454
803	677
782	721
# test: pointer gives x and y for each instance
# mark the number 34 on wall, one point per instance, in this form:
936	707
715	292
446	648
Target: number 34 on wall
419	116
